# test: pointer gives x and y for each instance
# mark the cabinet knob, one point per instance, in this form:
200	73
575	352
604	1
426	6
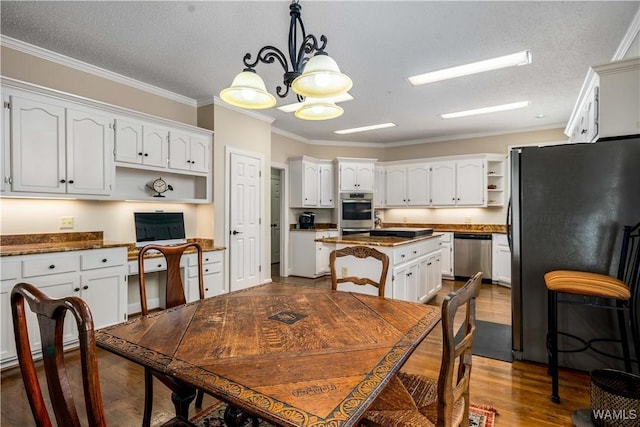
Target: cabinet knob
159	265
206	259
415	252
146	154
206	270
76	289
52	266
85	287
402	256
104	260
583	131
70	181
62	181
206	289
139	154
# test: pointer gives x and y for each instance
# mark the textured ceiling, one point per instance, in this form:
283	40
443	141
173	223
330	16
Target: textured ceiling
196	48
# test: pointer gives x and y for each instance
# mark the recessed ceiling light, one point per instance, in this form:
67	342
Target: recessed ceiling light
364	128
520	58
290	108
493	109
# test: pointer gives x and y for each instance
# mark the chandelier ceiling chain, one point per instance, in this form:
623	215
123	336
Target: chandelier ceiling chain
308	71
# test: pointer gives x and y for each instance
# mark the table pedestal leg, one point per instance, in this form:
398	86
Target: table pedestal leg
234	417
181	399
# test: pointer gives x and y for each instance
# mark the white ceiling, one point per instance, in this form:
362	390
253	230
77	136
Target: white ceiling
195	48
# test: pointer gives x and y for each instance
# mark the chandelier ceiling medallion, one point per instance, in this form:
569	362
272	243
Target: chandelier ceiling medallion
315	79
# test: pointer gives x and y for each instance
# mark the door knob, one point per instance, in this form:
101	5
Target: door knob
234	232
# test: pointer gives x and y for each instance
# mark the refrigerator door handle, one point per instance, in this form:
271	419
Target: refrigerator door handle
508	225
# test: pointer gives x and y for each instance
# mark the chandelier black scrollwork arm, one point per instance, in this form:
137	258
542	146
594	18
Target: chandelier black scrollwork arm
266	55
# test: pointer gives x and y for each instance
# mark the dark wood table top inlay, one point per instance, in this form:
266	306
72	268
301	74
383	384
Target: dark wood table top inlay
293	355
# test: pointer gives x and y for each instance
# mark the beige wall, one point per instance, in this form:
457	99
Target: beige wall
25	67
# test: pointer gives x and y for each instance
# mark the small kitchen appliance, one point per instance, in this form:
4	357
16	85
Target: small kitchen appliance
307	220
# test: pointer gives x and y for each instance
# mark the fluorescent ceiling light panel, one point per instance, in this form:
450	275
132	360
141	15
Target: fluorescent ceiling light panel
364	128
290	108
503	107
520	58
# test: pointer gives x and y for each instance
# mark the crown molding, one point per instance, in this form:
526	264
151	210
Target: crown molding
629	37
60	59
289	135
217	102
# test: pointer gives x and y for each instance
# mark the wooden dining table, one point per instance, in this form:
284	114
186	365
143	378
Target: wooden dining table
290	354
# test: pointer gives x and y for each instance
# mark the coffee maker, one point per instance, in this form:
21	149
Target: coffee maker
307	220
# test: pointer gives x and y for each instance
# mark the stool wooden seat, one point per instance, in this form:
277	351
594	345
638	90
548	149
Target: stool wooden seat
601	291
585	283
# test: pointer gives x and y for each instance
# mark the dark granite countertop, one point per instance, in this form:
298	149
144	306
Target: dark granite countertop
366	239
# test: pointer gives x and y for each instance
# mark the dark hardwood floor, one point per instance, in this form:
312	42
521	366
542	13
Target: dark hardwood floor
519	391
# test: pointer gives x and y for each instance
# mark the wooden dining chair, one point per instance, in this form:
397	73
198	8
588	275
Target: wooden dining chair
360	252
174	296
417	400
51	315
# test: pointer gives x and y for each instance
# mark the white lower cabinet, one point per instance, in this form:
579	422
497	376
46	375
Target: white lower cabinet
501	260
97	276
303	244
212	272
414	270
446	258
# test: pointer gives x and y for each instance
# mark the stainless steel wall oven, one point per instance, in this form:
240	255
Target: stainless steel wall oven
356	211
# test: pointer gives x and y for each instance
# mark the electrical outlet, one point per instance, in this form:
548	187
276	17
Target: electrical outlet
467	220
345	271
404	219
66	222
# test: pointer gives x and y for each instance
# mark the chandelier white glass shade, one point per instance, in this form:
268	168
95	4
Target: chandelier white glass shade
308	71
248	88
318	109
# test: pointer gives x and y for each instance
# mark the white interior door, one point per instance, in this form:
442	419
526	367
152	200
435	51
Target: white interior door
276	199
244	221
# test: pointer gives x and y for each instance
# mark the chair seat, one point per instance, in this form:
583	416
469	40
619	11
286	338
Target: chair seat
409	400
585	283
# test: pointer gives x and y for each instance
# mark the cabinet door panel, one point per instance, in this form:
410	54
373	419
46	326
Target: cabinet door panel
179	148
348	177
365	177
199	155
396	186
101	290
326	186
37	146
128	142
155	143
443	184
310	178
418	185
89	148
470	183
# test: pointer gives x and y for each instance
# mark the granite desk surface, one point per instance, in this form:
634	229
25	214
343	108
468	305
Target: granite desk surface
29	244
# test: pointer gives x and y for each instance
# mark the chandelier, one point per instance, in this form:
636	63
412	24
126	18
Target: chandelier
315	79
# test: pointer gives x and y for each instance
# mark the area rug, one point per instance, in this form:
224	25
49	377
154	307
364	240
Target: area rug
479	416
492	340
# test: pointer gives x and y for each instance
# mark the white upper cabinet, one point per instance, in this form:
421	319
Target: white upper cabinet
38	147
89	148
470	183
356	174
141	144
379	187
608	102
55	149
189	152
458	183
443	184
325	173
396	190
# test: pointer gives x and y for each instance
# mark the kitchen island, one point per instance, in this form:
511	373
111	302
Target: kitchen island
414	265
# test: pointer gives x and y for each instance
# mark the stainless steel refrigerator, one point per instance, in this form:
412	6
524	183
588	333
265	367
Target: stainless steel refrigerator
567	208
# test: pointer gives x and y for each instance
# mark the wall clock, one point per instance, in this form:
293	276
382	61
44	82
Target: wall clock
160	186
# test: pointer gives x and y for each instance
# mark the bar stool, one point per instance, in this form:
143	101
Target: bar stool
618	293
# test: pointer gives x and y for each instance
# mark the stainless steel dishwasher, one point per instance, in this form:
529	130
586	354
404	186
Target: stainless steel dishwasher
472	253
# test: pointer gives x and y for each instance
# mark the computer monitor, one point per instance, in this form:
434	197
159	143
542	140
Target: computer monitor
160	228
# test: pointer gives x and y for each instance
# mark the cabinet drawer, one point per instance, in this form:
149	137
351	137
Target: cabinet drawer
207	258
10	270
210	268
404	254
91	261
49	265
150	264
